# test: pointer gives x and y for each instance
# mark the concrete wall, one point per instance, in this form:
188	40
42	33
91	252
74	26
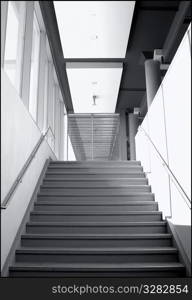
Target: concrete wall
19	136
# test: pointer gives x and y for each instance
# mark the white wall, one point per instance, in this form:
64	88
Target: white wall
168	123
19	136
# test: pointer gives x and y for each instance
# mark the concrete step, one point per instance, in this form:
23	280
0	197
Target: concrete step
95	166
92	175
98	199
91	216
94	170
96	219
101	255
68	206
96	227
115	190
65	270
95	163
96	240
93	182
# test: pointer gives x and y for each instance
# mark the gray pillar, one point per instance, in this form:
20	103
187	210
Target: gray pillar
133	125
153	79
123	137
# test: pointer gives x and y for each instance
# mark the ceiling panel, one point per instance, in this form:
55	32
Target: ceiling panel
98	29
100	82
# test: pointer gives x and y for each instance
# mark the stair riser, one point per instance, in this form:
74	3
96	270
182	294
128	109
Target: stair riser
97	218
98	208
97	258
130	274
98	163
114	170
98	230
94	191
115	243
90	183
96	199
52	175
99	167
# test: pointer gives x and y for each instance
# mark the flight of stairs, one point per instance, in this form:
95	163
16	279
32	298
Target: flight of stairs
96	219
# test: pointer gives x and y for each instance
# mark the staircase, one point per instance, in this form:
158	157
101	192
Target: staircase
96	219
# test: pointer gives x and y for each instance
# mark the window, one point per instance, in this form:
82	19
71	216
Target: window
14	41
45	97
34	68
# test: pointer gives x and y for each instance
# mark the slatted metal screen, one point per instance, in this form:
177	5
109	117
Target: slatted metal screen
94	136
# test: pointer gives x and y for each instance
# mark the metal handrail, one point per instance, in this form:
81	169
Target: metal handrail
23	170
169	171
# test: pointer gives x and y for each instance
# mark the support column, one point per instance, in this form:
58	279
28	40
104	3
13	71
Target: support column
123	137
153	79
133	125
63	132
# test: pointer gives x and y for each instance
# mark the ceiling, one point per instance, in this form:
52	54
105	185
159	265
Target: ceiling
94	28
98	29
150	26
121	39
94	90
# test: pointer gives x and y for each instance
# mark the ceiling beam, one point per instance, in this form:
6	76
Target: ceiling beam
158	8
85	63
96	60
50	21
124	89
96	64
172	40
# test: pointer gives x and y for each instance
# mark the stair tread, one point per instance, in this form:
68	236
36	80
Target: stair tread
92	173
99	224
96	266
64	203
92	187
92	213
100	250
92	162
97	236
96	166
95	179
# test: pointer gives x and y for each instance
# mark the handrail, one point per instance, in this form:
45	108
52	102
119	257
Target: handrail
23	170
169	171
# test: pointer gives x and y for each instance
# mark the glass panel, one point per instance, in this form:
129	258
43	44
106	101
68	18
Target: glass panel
45	97
94	136
34	69
177	99
169	119
13	43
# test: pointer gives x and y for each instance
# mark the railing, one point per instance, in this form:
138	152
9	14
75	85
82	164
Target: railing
19	178
94	136
168	170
